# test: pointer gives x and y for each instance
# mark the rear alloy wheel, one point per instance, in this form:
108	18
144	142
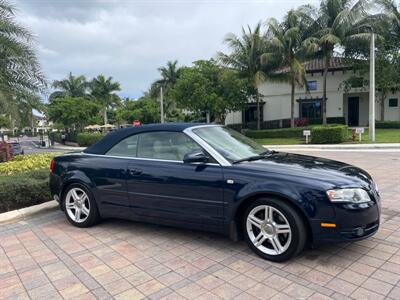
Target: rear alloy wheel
80	207
274	230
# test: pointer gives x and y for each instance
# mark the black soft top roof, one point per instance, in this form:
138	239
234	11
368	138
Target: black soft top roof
114	137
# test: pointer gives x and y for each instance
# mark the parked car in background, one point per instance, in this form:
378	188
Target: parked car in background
16	148
212	178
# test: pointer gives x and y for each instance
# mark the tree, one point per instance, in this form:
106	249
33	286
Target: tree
286	46
72	86
336	23
146	110
19	67
169	76
245	58
391	15
104	90
387	75
73	112
211	89
20	74
4	122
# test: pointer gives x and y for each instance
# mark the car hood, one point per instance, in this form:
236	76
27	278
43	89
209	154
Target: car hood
335	173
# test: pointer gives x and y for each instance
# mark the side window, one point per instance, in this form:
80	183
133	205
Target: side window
126	147
312	85
165	145
393	102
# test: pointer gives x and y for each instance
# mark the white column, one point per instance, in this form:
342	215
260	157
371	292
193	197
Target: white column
372	90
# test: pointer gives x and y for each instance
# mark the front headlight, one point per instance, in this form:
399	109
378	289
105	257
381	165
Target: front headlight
376	187
348	195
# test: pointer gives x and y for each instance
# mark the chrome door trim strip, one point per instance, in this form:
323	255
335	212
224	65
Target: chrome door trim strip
145	159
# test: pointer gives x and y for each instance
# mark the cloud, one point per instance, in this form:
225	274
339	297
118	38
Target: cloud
129	40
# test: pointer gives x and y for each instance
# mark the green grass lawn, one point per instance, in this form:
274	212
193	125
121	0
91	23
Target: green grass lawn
381	136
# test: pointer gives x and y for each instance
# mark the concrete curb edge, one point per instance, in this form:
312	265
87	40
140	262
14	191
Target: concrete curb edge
23	213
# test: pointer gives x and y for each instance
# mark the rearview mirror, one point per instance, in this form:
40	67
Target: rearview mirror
196	156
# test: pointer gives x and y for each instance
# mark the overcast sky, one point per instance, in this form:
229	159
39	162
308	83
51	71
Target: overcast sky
130	39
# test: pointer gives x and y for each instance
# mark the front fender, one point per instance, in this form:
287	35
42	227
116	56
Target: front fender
310	200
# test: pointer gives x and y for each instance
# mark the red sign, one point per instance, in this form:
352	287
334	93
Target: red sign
136	123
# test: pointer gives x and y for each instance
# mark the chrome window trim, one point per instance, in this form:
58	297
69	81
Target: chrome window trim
214	153
146	159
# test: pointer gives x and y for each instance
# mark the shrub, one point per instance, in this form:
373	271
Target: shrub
25	163
5	151
296	132
24	189
330	120
329	134
387	124
236	126
85	139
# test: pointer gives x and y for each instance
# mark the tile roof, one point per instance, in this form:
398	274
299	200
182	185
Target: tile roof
316	65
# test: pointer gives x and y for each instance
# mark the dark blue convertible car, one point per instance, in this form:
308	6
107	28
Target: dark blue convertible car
212	178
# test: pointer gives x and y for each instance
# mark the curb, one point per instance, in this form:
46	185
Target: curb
394	146
23	213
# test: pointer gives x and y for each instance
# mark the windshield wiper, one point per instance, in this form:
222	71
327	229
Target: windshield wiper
255	157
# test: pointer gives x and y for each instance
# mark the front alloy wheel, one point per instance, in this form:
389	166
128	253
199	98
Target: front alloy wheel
274	230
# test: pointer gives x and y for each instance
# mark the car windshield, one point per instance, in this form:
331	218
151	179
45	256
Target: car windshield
232	145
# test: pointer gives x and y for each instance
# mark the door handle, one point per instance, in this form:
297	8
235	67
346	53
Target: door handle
134	172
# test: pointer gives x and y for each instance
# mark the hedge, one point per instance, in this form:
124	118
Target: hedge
23	190
329	134
26	163
387	124
85	139
296	132
320	134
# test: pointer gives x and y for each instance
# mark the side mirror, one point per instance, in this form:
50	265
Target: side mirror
196	156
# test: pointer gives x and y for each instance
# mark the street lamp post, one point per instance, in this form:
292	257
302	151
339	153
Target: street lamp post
162	104
372	89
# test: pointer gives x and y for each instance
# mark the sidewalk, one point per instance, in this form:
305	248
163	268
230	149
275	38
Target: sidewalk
62	147
361	147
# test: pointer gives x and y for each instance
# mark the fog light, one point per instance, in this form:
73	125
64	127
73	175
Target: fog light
359	231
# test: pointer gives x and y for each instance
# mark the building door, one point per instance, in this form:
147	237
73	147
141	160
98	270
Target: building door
249	117
353	111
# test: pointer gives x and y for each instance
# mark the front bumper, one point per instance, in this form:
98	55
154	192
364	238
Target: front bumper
353	222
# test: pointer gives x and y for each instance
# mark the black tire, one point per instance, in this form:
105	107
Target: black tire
93	217
297	227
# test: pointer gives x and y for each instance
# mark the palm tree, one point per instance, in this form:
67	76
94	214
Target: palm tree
286	45
19	68
336	23
246	51
391	13
169	75
73	86
104	90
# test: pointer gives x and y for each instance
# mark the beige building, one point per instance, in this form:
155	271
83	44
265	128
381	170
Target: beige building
351	105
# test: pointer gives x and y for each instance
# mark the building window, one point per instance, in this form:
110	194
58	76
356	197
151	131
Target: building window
250	113
311	109
393	102
312	85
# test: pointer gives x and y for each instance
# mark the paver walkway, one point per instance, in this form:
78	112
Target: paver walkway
46	258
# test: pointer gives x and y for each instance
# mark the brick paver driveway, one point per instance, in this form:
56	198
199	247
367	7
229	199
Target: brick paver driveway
44	257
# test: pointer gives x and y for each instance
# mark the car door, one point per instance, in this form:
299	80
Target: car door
161	186
108	172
